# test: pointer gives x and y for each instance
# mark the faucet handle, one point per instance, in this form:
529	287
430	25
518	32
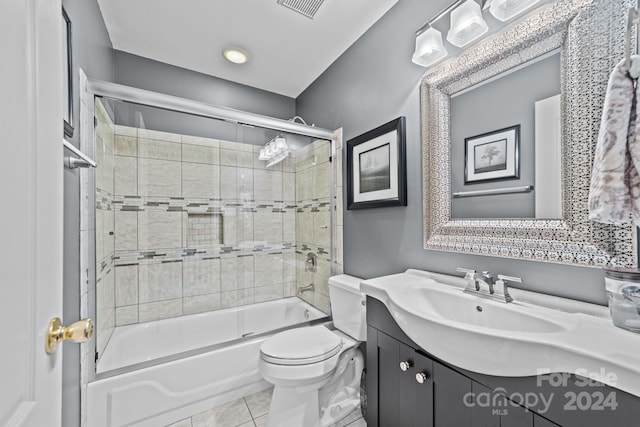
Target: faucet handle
471	276
509	278
502	279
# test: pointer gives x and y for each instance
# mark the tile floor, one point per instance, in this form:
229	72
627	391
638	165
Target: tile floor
250	411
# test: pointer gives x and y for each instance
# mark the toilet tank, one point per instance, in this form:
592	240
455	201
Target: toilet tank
348	306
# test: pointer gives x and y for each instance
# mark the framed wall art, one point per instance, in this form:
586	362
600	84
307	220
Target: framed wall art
376	167
492	156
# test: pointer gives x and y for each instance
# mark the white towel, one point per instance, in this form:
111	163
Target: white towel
615	182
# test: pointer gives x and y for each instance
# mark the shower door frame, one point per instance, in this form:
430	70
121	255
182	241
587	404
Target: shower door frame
92	88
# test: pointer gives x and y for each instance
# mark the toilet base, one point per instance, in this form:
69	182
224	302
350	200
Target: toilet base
291	408
312	407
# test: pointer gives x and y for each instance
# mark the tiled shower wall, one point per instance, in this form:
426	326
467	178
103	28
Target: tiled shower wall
200	224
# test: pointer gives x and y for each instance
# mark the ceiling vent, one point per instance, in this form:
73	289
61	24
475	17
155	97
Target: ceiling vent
307	8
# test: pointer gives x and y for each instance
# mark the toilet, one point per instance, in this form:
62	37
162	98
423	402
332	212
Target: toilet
315	370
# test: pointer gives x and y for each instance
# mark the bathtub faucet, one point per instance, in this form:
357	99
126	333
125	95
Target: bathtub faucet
307	288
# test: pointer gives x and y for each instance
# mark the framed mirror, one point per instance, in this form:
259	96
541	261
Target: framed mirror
588	36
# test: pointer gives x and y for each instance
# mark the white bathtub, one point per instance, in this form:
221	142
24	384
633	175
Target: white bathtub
184	365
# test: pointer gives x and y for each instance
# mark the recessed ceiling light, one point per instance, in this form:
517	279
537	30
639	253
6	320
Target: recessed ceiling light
235	55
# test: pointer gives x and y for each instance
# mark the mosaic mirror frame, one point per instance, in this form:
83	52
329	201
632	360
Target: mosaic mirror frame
590	35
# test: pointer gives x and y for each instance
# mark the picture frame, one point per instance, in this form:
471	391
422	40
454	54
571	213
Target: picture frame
377	167
492	156
67	73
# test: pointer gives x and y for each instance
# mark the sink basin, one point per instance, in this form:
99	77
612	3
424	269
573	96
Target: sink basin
450	304
514	340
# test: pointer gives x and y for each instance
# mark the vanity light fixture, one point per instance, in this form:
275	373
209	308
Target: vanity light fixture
505	10
429	48
467	24
235	55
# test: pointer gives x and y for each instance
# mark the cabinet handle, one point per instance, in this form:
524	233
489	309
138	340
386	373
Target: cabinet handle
405	365
421	377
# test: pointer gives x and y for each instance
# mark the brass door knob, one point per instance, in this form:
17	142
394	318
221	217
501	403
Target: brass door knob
405	365
80	331
421	377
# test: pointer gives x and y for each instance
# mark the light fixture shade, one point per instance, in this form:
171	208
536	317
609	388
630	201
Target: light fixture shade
278	158
505	10
429	48
467	24
281	144
263	154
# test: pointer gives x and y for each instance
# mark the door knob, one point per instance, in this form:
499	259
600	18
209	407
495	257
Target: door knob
405	365
80	331
421	377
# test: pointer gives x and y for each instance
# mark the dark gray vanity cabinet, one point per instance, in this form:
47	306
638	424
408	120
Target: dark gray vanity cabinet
407	387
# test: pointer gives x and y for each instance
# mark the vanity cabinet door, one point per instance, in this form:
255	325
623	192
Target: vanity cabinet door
516	416
539	421
395	398
483	413
449	391
422	381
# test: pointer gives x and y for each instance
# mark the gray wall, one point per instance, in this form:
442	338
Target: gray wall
505	102
91	51
374	82
143	73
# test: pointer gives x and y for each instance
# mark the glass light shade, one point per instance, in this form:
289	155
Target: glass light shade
263	154
278	158
281	143
275	148
467	24
268	151
429	48
504	10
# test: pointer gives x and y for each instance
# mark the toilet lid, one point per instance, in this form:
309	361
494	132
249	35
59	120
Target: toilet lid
301	346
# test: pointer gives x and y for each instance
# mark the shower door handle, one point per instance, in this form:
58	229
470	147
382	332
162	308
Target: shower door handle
80	331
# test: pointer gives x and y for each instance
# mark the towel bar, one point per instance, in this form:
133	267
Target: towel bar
72	162
523	189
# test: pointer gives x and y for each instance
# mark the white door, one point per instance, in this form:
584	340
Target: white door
30	210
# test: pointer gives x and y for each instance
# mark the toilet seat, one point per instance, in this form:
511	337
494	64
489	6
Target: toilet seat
301	346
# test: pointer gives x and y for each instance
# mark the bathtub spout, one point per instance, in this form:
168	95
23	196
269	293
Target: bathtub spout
303	289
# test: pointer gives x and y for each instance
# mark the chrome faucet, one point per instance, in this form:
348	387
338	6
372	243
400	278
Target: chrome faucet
488	279
498	289
303	289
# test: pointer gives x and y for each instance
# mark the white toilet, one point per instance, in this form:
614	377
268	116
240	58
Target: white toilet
316	371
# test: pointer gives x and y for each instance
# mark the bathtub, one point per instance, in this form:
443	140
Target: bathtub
156	373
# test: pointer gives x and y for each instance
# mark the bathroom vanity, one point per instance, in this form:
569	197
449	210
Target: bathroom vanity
407	385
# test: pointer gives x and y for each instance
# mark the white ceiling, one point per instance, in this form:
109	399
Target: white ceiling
287	51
